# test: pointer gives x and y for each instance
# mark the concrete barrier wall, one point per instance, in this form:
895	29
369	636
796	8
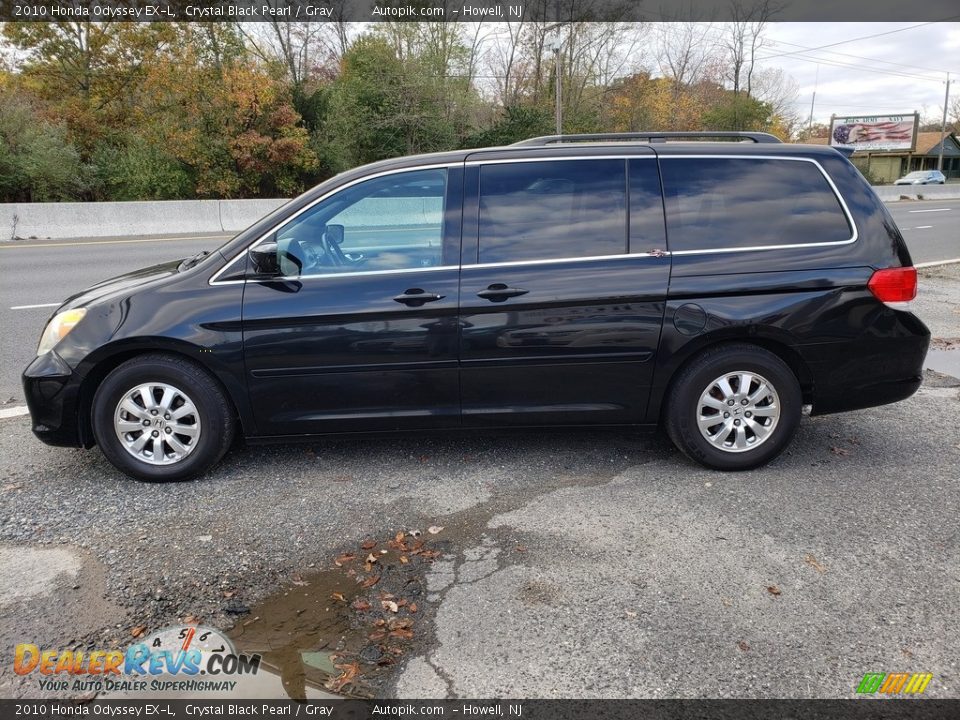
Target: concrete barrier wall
108	219
893	193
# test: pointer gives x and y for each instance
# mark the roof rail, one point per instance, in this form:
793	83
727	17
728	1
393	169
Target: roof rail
653	137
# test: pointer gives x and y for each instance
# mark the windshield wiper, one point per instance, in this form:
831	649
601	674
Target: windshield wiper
191	261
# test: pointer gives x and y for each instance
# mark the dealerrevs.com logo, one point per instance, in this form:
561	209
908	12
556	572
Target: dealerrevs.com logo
172	659
894	683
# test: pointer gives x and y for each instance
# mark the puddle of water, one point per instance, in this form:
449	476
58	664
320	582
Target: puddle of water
337	629
944	361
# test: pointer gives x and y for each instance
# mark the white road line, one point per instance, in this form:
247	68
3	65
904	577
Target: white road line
923	227
31	307
14	411
936	210
110	242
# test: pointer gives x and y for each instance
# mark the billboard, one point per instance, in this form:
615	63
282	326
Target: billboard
878	133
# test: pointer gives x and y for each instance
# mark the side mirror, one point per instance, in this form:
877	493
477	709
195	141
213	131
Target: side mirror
263	259
334	234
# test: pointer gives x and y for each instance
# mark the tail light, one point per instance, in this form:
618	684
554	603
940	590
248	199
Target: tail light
894	286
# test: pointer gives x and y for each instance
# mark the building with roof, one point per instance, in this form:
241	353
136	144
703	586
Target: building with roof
885	167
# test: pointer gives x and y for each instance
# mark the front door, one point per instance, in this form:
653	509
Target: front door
560	314
360	331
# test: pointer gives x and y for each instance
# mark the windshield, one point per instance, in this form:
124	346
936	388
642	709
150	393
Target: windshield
918	174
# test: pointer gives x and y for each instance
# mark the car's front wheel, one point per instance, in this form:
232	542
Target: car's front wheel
161	418
735	407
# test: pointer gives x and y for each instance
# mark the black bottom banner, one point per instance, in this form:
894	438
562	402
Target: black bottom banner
865	709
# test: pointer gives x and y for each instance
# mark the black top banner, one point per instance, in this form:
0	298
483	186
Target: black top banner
474	10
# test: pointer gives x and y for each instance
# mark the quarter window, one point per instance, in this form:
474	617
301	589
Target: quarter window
738	203
550	210
394	222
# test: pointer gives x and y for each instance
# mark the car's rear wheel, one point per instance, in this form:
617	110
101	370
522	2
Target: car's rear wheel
735	407
161	418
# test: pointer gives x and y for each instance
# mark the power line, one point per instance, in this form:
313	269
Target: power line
867	37
858	57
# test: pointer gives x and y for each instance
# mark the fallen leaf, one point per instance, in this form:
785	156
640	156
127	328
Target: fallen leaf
370	581
393	650
434	529
631	614
191	620
399	536
839	451
338	596
376	635
773	590
402	633
399	623
404	559
743	645
812	562
345	558
138	631
389	605
347	675
401	602
12	486
368	544
521	548
907	653
297	579
371	558
429	554
412	608
360	605
380	622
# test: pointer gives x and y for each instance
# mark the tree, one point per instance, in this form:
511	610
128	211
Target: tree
37	162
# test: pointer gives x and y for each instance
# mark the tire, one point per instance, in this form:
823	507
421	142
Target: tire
176	445
764	424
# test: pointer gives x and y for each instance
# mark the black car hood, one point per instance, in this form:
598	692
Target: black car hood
120	285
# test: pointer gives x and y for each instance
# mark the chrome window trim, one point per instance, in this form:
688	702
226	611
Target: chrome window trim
553	261
356	181
502	161
792	246
499	161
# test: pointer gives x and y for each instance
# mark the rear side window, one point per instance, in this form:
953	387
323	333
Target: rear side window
550	210
716	203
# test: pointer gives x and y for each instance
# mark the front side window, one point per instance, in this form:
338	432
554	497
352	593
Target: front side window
553	209
394	222
720	203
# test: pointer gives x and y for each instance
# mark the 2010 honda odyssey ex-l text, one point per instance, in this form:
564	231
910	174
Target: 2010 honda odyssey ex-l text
713	287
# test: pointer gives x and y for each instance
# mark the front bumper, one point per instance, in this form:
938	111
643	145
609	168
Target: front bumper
52	390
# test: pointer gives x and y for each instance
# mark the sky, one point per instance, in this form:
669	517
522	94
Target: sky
930	51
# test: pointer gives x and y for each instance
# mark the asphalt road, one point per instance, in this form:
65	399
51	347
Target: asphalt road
44	272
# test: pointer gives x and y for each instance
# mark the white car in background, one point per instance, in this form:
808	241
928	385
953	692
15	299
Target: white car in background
922	177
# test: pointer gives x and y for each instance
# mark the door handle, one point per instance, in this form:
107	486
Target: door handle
498	292
415	297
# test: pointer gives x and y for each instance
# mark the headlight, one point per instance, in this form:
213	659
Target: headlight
58	328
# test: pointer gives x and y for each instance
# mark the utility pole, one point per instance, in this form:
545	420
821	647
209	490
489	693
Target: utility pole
943	125
557	47
813	100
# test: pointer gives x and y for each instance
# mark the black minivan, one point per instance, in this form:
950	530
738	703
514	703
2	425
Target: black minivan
714	287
